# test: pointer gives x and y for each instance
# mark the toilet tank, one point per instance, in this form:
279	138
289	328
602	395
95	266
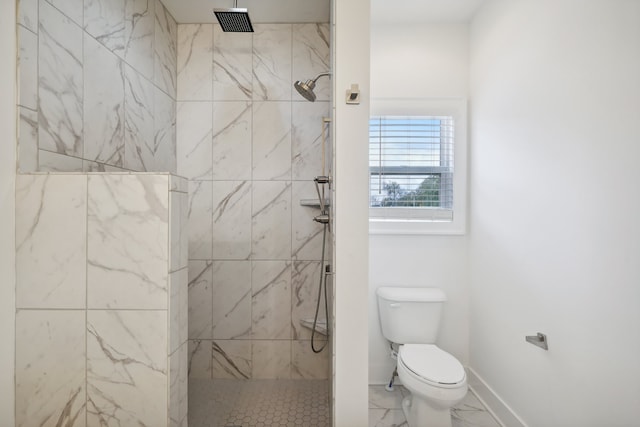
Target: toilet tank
410	315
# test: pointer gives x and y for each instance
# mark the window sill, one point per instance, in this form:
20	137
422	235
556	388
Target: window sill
416	227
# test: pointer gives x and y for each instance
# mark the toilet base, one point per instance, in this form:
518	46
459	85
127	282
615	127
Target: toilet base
418	409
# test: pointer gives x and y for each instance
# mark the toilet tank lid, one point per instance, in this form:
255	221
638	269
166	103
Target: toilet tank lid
402	294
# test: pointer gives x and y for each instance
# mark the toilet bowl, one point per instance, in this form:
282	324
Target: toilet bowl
436	380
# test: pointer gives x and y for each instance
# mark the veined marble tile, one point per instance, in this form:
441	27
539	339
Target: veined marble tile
178	313
271	220
28	141
60	82
139	35
127	241
271	300
178	230
104	20
200	223
271	359
104	83
28	14
305	364
311	56
231	300
380	398
50	368
127	372
178	183
305	279
199	359
231	219
54	162
71	8
183	382
307	141
28	67
139	144
89	166
174	389
51	217
271	141
307	235
387	418
195	62
272	62
472	413
231	359
232	140
195	133
165	48
164	125
200	299
232	65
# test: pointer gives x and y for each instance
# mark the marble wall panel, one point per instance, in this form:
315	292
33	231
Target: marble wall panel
51	241
195	132
128	241
139	26
71	8
195	62
271	220
305	279
54	162
231	220
50	368
200	219
272	60
89	166
139	136
232	125
311	56
60	82
271	300
28	14
164	125
127	368
177	230
271	359
232	65
28	140
231	359
28	68
104	21
308	365
103	104
165	50
232	298
306	141
271	134
200	299
178	309
200	357
178	395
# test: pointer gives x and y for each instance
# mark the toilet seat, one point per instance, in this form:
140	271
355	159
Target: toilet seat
432	365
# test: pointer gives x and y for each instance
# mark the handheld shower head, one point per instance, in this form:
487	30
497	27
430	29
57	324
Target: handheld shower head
306	89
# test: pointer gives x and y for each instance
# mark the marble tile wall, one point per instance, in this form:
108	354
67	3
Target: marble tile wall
97	86
251	146
102	299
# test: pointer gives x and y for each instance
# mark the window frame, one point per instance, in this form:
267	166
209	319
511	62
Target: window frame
394	220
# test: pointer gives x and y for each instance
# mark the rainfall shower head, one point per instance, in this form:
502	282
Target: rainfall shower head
306	89
234	20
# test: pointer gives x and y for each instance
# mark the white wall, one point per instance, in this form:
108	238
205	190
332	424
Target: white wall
350	131
7	207
555	204
419	61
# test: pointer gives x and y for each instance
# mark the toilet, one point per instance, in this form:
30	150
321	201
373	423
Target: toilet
435	379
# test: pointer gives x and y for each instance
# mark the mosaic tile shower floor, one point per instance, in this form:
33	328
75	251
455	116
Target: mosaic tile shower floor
258	403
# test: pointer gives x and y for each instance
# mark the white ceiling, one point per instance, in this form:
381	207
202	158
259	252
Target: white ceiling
281	11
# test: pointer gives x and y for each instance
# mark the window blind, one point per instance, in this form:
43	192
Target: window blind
411	162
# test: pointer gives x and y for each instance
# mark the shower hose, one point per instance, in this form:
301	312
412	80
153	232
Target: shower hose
323	282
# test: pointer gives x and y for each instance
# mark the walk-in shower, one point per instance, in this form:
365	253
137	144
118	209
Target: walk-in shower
306	89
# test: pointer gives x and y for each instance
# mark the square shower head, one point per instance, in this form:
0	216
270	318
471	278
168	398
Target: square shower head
234	20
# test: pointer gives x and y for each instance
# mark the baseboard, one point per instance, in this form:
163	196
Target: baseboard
494	404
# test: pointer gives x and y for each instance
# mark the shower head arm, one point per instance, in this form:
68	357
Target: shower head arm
320	75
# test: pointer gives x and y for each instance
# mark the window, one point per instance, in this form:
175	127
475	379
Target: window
416	151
